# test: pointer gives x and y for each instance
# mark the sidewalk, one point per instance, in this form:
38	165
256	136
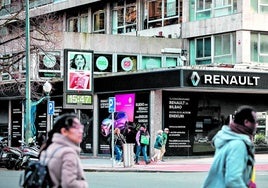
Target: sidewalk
172	164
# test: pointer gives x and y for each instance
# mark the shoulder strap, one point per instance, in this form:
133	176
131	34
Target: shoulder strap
44	161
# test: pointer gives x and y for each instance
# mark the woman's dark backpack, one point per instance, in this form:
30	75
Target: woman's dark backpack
36	174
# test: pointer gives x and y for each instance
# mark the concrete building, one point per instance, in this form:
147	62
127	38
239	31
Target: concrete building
177	64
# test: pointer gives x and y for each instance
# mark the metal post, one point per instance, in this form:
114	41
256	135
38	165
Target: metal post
27	126
48	116
113	140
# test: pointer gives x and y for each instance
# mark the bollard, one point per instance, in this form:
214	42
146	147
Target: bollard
128	153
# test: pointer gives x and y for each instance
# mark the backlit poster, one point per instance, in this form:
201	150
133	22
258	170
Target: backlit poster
125	103
132	110
180	111
78	82
79	71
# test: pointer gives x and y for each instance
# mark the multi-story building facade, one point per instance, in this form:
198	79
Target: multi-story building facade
184	65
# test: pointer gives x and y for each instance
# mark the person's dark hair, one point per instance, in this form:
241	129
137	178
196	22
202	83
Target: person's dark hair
73	65
63	121
244	113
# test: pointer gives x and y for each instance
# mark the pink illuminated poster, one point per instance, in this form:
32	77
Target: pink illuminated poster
79	80
126	103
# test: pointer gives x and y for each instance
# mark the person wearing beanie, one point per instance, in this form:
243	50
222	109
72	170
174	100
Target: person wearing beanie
62	151
233	162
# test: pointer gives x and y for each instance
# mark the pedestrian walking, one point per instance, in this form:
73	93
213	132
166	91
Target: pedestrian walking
119	140
157	146
234	157
142	140
61	150
163	148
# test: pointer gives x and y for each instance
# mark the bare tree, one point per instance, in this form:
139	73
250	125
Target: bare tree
13	47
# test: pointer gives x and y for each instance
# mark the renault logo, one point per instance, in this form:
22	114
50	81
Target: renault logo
195	78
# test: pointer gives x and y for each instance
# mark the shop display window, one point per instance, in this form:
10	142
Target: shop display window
49	64
103	63
126	63
150	62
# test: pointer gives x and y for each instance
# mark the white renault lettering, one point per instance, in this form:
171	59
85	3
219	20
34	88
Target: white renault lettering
231	80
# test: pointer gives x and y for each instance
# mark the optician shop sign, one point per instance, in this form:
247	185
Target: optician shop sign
225	79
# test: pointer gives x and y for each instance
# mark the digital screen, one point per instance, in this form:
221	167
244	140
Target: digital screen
78	99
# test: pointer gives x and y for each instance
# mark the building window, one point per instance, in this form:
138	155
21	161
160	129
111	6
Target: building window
203	51
150	63
224	7
205	9
224	48
78	23
263	6
124	16
98	22
216	49
13	67
160	13
260	6
259	47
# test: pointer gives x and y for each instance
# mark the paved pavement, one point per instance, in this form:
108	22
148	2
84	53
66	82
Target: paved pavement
171	164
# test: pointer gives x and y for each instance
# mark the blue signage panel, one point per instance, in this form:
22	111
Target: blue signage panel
111	104
51	107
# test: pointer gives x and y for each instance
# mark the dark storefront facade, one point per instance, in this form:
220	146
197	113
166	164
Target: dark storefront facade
193	104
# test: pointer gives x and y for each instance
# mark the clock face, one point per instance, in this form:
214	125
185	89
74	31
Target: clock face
49	60
79	99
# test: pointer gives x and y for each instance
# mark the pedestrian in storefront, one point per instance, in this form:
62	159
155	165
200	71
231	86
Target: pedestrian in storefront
234	157
119	140
142	140
61	150
163	148
157	146
130	134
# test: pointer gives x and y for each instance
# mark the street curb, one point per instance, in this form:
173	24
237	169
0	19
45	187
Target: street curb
136	170
171	165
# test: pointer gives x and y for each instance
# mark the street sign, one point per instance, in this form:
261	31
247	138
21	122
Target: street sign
51	107
112	104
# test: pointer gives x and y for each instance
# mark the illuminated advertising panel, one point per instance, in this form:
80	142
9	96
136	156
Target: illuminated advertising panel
132	111
125	103
78	80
